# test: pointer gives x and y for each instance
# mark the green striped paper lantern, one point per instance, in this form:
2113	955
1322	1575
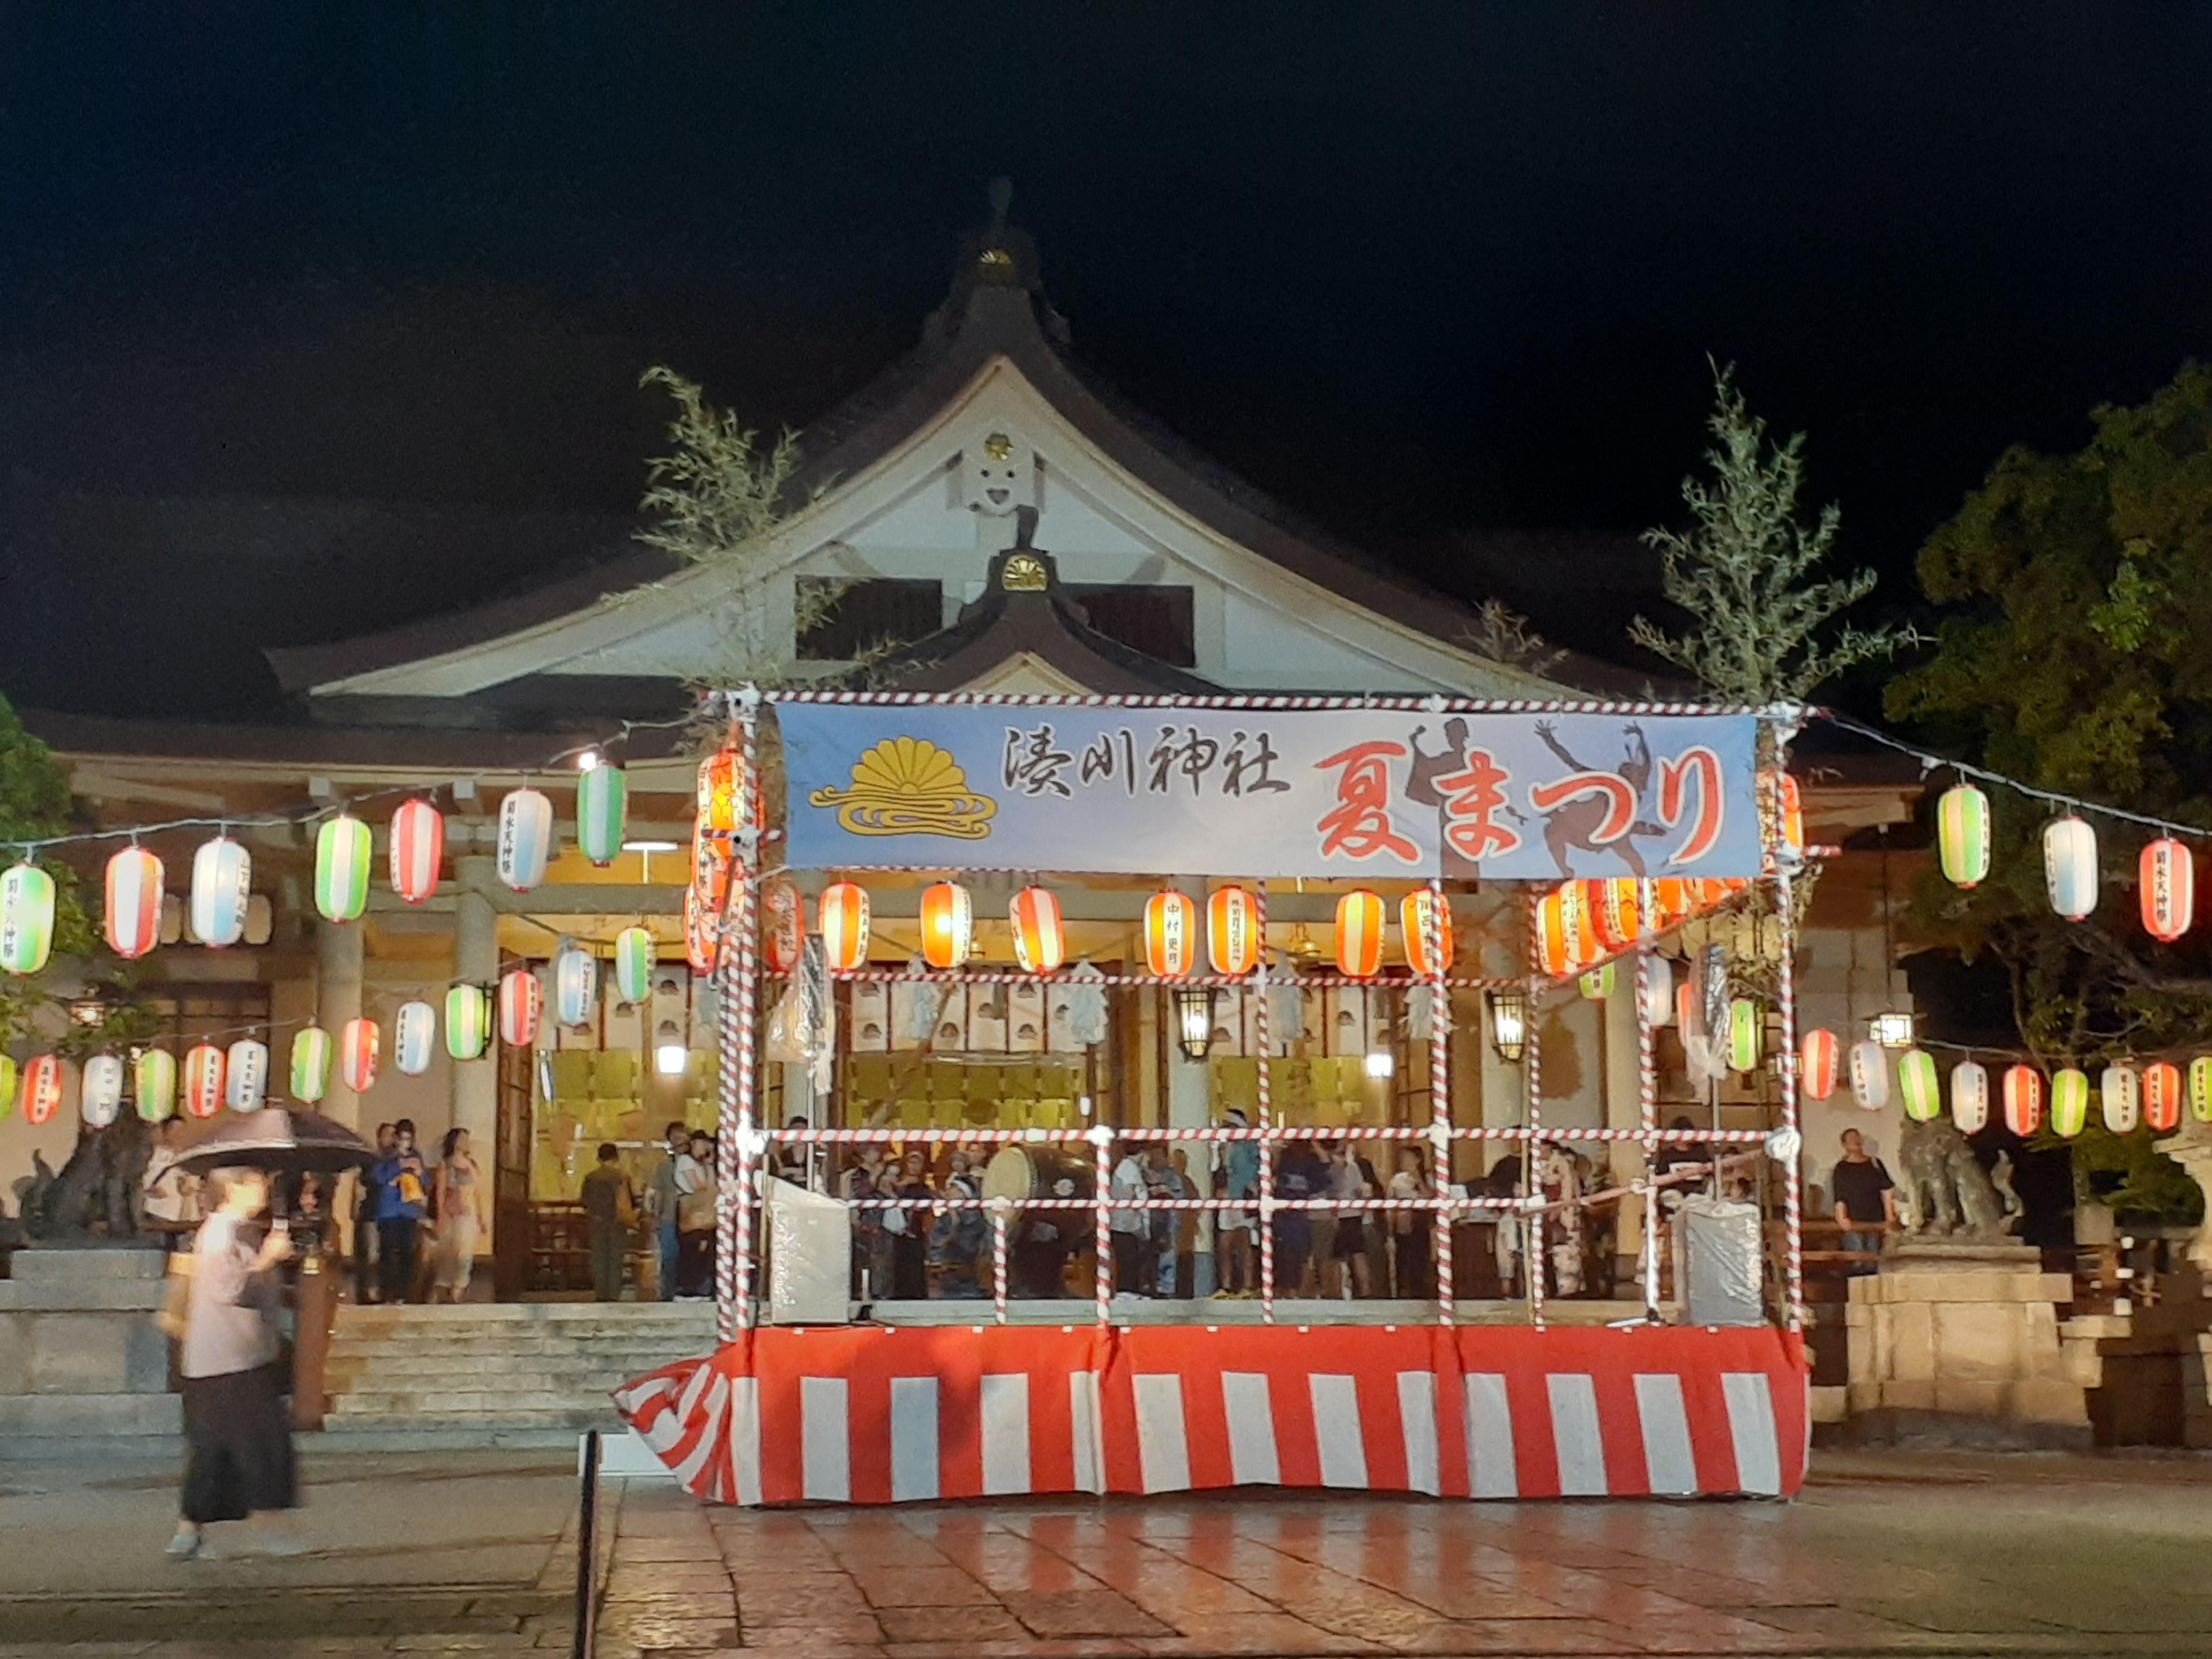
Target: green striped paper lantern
2069	1101
311	1055
1962	835
2200	1088
8	1082
155	1082
1918	1085
468	1021
602	810
1747	1025
344	849
27	918
635	955
1597	983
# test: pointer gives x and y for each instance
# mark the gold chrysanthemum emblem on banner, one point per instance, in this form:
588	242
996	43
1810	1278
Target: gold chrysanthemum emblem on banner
909	787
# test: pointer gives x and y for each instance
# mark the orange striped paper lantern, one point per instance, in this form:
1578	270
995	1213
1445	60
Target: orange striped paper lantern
948	924
1793	813
1671	902
844	916
42	1088
418	847
1579	903
203	1080
2023	1100
1818	1079
359	1043
1232	930
1359	925
1553	954
522	1003
1424	917
1617	915
702	933
2162	1095
2168	888
132	920
1039	941
721	793
1170	934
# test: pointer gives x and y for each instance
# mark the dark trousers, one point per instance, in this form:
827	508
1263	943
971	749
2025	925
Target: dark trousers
1415	1276
238	1446
1133	1264
608	1237
395	1257
364	1254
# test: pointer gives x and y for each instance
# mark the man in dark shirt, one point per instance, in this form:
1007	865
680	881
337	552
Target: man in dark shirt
610	1211
1865	1197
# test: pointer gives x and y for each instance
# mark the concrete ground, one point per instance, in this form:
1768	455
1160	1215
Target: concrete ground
1884	1553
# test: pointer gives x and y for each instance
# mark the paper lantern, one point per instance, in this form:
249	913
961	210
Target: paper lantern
525	838
635	957
8	1090
1793	813
27	918
2119	1095
1918	1088
359	1043
1039	941
1617	913
1870	1076
2070	866
1170	934
520	1001
312	1053
1689	1009
203	1080
1658	992
948	924
1233	930
1359	924
2023	1100
1970	1096
602	810
576	985
155	1084
783	924
223	882
1746	1026
1817	1076
100	1097
2169	889
1424	918
1557	936
1578	905
711	864
702	933
344	849
722	794
42	1088
418	847
2069	1101
1671	902
1962	835
2200	1088
1597	983
468	1021
2162	1095
246	1075
132	918
414	1037
844	918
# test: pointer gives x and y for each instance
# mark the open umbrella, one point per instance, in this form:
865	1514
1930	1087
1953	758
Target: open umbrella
295	1143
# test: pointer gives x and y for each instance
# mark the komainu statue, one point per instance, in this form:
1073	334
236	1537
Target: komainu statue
1944	1189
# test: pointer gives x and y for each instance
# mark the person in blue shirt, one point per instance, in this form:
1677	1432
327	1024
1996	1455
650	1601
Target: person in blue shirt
1233	1230
402	1181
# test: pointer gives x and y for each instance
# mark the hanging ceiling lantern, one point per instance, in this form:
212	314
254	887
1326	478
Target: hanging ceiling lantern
1424	918
42	1088
1817	1079
1039	941
359	1041
1658	992
312	1053
1746	1026
27	918
1870	1076
155	1084
414	1037
1671	902
1554	953
222	883
1962	835
1918	1088
418	847
720	792
525	838
2200	1088
132	915
702	933
2162	1095
520	1001
635	958
2070	866
1970	1096
602	811
1617	913
246	1075
2168	888
1359	925
468	1021
1233	931
203	1080
783	924
1597	983
575	984
2120	1096
100	1093
2023	1100
2069	1101
844	920
948	924
344	850
1170	934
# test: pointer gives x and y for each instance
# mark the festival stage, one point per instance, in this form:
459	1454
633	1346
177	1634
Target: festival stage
918	1414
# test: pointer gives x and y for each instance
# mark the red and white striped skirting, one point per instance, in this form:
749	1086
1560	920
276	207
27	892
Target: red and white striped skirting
876	1415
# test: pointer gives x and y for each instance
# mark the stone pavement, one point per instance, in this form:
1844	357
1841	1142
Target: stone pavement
1884	1553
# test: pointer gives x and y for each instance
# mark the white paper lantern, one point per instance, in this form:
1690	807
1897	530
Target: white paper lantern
101	1086
525	838
576	985
1870	1076
2070	866
223	882
1970	1097
414	1035
246	1076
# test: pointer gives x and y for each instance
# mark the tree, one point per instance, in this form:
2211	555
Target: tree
1744	573
35	805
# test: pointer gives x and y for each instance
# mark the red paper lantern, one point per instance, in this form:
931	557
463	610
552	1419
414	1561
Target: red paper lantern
711	865
2162	1095
1170	934
42	1088
1793	813
1617	912
1359	924
359	1043
1424	918
418	847
2023	1100
1040	942
203	1080
1232	930
133	919
1818	1081
2169	888
948	924
702	933
783	924
521	1002
845	925
1554	955
721	793
1671	902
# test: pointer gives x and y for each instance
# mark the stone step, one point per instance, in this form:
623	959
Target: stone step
500	1364
575	1417
414	1435
522	1341
528	1313
597	1383
503	1404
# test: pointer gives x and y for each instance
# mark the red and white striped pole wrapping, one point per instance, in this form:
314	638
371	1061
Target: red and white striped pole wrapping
998	1259
1532	1056
1793	1185
1408	1132
1440	1170
1262	701
1647	1092
1101	1230
734	1141
1264	1100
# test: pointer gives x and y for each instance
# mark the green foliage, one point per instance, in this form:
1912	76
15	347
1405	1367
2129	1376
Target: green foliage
34	805
1744	573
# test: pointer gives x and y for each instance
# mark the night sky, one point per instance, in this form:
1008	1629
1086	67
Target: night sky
1419	271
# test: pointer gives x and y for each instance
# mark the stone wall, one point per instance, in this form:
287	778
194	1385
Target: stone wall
81	1356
